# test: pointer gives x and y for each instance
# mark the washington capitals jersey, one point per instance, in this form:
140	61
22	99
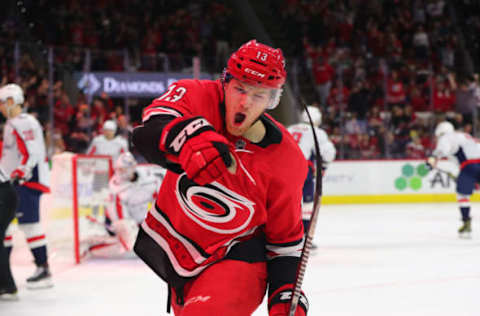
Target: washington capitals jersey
110	147
198	225
463	147
303	135
132	199
24	147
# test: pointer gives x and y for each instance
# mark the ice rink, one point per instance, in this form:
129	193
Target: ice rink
372	260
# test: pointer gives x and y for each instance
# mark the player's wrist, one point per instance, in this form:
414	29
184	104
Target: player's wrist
279	302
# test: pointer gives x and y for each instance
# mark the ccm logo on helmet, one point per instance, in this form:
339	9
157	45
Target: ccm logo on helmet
255	73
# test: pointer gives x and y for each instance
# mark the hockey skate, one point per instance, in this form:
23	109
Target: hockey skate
466	230
41	279
8	294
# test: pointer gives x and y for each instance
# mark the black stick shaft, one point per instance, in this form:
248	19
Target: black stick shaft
313	223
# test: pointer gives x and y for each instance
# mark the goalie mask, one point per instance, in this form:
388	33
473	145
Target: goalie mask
125	166
258	65
315	114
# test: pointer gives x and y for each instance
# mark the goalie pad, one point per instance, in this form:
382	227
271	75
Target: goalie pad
125	230
108	247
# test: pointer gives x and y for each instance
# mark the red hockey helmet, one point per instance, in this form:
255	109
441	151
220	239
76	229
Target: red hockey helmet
258	64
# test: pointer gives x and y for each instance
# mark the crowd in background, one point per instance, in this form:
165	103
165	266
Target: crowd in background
383	72
387	71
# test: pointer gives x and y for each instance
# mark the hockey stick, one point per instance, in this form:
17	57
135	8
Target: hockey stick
452	176
307	246
448	173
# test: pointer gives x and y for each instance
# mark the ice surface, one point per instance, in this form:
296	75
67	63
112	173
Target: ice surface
389	259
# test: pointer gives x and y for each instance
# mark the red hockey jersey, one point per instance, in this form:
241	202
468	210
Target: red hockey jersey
198	225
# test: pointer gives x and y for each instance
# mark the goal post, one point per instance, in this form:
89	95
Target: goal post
79	191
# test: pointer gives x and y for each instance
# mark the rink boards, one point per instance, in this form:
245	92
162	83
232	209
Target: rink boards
353	182
389	181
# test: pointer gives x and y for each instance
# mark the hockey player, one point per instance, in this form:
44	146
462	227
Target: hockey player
133	189
303	135
465	150
8	205
106	144
227	220
24	159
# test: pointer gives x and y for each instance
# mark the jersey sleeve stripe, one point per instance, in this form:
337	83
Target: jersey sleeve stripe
22	148
149	112
275	251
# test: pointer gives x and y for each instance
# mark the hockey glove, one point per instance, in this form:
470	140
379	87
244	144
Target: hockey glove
279	302
21	174
203	153
431	162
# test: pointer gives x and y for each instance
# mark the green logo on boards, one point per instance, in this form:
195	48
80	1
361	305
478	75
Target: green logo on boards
411	177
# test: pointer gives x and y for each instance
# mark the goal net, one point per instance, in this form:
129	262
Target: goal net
76	205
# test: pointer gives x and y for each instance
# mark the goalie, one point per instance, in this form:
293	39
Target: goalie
132	191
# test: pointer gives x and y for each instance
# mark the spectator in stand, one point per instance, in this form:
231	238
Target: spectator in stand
374	120
63	113
124	126
354	126
339	95
443	97
368	146
360	99
81	130
415	148
323	73
40	106
421	43
465	97
417	100
54	142
435	9
395	91
99	113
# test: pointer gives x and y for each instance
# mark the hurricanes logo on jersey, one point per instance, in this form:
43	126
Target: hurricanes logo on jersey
213	206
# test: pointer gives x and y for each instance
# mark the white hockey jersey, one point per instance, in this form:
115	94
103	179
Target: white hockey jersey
303	135
132	199
461	146
110	147
24	148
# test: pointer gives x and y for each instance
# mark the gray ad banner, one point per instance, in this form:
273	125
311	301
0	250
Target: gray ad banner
129	84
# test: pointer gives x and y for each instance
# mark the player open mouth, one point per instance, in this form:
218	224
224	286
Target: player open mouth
239	118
